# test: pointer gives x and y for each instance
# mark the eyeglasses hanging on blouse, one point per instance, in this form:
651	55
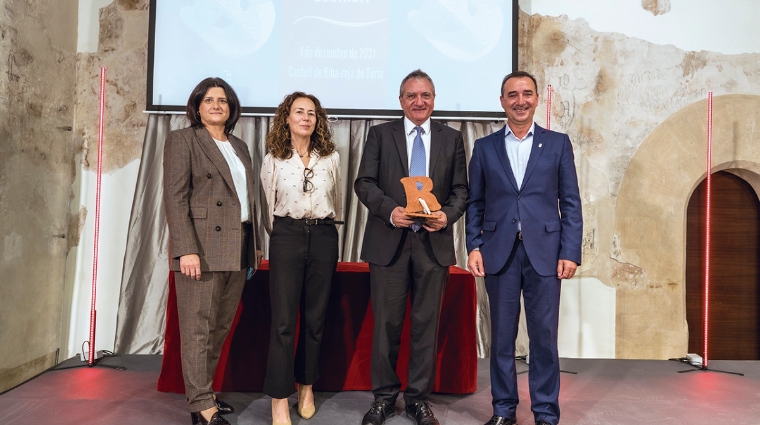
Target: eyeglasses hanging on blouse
308	173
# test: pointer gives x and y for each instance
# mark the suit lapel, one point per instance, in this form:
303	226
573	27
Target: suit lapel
500	147
539	134
213	153
399	137
435	145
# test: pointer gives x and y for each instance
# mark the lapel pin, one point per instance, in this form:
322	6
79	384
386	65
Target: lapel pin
540	144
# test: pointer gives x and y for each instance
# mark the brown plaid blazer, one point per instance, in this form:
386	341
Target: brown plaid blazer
202	206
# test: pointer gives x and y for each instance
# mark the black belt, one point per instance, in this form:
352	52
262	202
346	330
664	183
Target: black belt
307	221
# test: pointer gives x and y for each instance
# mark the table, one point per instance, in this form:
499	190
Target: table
347	339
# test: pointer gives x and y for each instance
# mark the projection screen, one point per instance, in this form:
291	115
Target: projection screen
351	54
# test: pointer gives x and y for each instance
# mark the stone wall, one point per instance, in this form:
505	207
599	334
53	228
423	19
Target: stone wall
37	106
123	50
615	95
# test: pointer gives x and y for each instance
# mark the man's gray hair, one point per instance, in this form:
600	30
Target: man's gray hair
417	73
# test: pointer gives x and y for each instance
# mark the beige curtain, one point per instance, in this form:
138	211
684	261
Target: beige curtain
144	285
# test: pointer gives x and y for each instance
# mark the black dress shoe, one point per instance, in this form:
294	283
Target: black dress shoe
421	414
223	407
378	413
216	419
501	420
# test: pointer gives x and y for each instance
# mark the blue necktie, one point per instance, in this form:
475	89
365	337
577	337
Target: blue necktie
417	165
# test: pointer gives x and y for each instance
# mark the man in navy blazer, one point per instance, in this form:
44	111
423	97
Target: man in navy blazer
524	230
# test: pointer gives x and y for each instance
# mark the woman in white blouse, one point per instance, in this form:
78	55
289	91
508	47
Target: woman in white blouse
302	188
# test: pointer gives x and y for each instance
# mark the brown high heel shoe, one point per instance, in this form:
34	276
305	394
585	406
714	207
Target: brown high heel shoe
306	412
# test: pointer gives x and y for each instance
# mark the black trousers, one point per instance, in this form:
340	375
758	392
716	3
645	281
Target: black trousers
414	271
302	260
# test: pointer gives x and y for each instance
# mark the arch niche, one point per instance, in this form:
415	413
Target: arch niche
650	217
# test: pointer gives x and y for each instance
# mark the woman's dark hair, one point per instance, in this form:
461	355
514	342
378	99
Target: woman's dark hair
199	92
278	138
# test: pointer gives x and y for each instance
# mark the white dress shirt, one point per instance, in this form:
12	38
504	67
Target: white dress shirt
238	178
518	151
411	133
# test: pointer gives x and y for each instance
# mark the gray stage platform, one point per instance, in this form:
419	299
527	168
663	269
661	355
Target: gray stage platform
618	392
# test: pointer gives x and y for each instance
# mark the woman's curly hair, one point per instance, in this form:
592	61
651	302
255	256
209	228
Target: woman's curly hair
278	139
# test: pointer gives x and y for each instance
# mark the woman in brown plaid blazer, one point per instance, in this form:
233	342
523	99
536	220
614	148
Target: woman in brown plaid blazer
208	195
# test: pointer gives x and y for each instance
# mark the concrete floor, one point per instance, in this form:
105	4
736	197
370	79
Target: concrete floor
623	392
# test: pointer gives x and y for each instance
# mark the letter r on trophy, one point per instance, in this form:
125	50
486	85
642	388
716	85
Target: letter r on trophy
420	201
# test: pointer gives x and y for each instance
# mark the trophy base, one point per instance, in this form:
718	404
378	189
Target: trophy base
420	215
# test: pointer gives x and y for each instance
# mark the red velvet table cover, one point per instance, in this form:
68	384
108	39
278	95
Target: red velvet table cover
347	339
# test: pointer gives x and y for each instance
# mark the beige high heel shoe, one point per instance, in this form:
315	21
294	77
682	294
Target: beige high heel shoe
305	412
279	423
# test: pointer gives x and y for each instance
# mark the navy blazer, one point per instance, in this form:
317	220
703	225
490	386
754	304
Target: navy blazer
548	204
378	186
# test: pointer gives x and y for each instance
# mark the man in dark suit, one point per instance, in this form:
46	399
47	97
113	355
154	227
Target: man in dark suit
406	256
524	230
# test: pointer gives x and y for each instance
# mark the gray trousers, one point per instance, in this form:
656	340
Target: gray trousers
206	309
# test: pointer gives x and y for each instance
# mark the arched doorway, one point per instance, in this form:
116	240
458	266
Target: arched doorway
734	324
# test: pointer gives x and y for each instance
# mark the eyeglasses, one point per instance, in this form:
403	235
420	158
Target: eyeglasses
308	186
